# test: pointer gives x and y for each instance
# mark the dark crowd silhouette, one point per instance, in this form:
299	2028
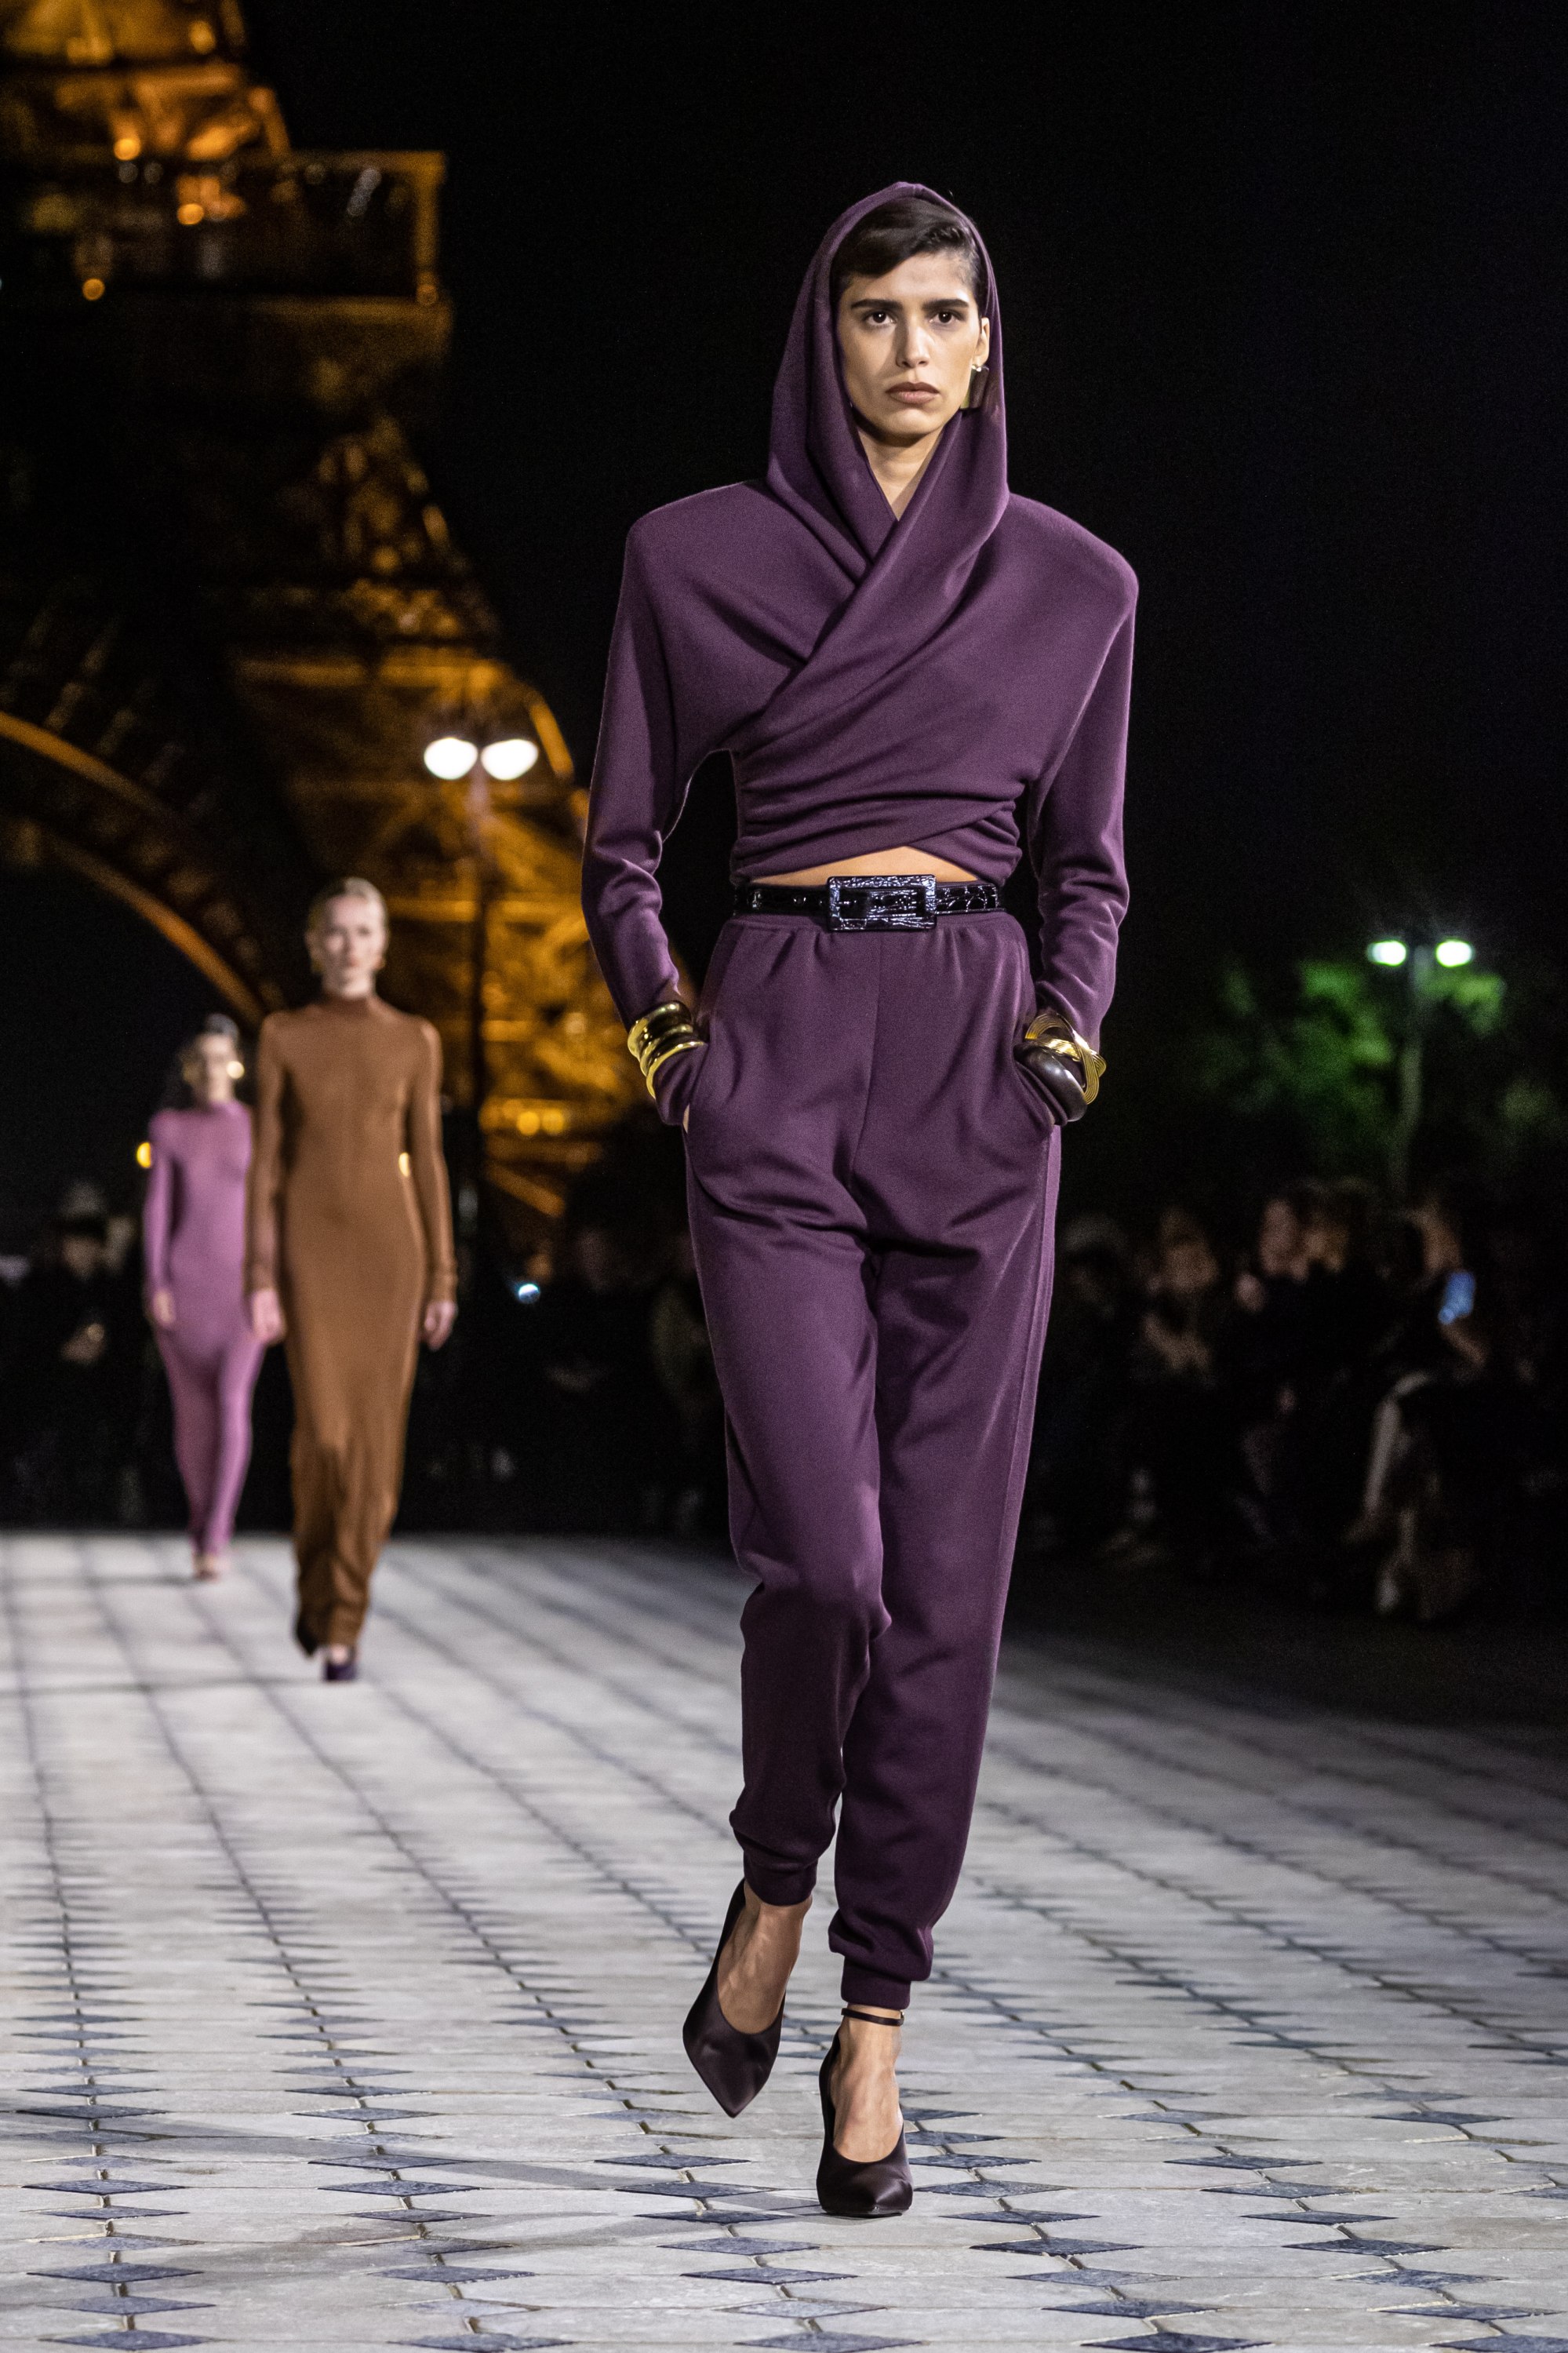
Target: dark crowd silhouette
1362	1408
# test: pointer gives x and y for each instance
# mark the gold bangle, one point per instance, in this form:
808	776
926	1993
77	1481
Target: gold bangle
664	1030
657	1062
652	1025
1056	1033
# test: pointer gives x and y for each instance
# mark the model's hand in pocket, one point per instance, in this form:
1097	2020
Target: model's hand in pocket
1063	1068
664	1044
675	1083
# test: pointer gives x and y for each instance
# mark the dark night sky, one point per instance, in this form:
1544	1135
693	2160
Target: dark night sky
1282	292
1285	324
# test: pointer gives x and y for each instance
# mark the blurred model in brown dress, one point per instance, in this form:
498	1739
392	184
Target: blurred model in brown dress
349	1257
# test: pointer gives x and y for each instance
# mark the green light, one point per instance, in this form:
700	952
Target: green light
1452	952
1389	951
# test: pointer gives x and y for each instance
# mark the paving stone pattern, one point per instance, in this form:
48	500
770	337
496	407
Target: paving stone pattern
349	2016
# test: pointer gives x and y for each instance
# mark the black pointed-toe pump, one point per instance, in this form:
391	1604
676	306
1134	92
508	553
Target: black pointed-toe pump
862	2192
733	2064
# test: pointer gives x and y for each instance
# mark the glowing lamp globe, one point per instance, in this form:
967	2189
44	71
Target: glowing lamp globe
450	757
1454	952
512	756
1388	952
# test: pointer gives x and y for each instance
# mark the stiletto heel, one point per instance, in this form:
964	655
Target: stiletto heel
733	2064
843	2187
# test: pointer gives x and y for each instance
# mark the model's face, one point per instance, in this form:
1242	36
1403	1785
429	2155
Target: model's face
210	1068
348	946
908	342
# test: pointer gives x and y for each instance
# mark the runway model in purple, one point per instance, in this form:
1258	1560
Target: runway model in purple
194	1242
916	673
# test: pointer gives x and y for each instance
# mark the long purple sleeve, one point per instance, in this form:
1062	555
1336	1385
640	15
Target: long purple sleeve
640	748
158	1215
1074	831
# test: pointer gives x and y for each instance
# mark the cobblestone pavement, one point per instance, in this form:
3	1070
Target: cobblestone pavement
349	2016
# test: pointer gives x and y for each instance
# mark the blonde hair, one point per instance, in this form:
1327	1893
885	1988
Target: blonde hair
347	886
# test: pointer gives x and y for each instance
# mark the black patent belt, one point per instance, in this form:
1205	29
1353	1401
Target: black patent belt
869	903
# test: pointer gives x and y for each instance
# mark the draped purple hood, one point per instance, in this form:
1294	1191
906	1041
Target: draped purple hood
950	680
817	468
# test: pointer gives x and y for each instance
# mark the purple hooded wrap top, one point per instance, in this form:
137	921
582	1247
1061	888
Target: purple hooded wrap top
956	679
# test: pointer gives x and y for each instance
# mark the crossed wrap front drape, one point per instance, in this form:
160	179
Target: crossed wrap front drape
956	679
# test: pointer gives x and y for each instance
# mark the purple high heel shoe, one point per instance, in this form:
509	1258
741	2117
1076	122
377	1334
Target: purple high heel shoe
861	2192
733	2064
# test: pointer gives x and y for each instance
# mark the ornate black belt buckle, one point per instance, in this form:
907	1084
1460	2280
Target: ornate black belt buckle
889	902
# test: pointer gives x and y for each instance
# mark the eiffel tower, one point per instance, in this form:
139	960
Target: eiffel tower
232	615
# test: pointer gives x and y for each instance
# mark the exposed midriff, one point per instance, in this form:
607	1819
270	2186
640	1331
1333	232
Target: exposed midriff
876	862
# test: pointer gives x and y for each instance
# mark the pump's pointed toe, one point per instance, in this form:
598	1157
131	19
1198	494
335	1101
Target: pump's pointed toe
860	2193
734	2066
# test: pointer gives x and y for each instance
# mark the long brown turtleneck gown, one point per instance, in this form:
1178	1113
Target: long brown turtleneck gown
350	1220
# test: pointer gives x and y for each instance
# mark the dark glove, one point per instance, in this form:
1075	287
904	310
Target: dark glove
1056	1080
1060	1065
675	1083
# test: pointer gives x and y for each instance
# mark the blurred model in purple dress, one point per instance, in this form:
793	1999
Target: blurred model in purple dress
194	1235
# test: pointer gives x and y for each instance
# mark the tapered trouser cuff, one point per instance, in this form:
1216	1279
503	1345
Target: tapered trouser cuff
779	1882
865	1989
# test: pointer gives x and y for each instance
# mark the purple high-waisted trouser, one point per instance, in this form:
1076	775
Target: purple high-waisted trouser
872	1184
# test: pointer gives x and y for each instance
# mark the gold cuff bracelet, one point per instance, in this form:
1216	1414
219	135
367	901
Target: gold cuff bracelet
659	1035
1056	1033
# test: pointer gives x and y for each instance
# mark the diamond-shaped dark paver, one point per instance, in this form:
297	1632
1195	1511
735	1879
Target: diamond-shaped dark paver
1503	2344
754	2278
1170	2340
397	2189
484	2341
94	2188
145	2341
738	2247
827	2340
1055	2247
128	2273
133	2304
437	2274
1131	2308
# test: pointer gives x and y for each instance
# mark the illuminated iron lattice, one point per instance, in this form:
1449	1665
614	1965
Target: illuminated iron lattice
231	613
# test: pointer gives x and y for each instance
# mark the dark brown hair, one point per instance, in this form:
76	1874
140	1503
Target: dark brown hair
896	232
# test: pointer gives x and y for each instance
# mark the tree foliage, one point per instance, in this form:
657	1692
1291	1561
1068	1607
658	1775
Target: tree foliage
1314	1059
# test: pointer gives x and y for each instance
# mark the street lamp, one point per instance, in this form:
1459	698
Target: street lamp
450	757
511	757
1416	962
504	758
